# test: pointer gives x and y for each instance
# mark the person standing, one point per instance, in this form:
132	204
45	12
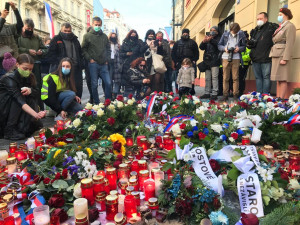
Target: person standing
281	52
185	48
186	77
232	44
167	58
66	44
96	50
212	61
30	43
8	33
260	45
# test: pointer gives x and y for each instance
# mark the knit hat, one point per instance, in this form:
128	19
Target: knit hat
215	27
186	31
8	62
286	12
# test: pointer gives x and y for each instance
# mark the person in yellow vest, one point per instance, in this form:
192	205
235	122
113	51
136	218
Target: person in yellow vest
58	90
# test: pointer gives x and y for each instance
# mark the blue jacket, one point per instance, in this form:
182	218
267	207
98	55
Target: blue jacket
241	42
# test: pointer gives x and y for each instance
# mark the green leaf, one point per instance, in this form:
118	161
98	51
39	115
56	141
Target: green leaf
60	184
263	158
233	173
167	166
234	158
48	133
184	141
71	212
171	154
238	150
41	186
70	188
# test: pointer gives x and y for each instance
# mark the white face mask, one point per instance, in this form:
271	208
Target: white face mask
233	34
260	23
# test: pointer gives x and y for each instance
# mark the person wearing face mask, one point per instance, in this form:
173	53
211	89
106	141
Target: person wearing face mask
232	44
19	115
66	44
136	82
115	64
96	50
260	44
281	52
30	43
185	48
59	90
211	59
130	51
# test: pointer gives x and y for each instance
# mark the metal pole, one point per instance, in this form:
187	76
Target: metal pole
173	20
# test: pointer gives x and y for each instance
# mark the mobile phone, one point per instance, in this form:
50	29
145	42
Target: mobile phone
207	33
7	5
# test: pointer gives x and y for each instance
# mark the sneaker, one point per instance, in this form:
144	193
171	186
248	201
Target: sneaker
224	98
214	97
13	134
205	96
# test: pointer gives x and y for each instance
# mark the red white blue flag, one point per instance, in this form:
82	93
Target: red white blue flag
49	19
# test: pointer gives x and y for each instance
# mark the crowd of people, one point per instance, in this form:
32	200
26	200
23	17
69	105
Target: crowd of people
36	72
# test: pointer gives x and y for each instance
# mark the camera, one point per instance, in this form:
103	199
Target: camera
252	43
230	54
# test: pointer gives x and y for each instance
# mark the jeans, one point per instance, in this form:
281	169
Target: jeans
211	78
68	103
78	81
234	68
175	75
168	80
262	73
97	71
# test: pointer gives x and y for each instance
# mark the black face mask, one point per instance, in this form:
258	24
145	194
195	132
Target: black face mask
133	38
185	37
113	40
150	38
28	33
67	36
142	69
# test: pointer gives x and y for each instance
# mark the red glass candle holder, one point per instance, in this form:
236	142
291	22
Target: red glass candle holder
138	140
111	175
42	133
123	171
134	183
169	144
13	147
129	141
133	174
158	139
123	184
101	173
87	190
245	140
54	220
31	154
137	197
39	142
111	206
294	160
129	190
100	200
98	184
60	124
106	186
20	155
149	189
142	165
143	176
144	144
135	166
130	206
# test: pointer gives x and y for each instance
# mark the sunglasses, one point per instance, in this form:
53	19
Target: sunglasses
143	66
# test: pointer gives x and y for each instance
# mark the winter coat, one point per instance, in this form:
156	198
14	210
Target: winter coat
263	36
96	46
186	77
184	49
130	46
134	79
284	40
57	51
241	43
211	52
9	34
10	91
145	50
35	43
117	66
167	58
246	57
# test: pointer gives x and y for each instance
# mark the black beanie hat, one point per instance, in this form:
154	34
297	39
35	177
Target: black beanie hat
186	31
150	32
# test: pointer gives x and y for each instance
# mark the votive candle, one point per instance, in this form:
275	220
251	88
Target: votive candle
149	189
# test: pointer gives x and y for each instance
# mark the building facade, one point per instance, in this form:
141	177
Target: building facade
113	22
201	15
77	12
179	18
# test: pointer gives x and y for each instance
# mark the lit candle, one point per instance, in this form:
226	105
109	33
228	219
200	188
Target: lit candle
123	171
87	189
143	175
129	141
111	175
11	164
158	177
111	206
138	140
60	125
152	165
142	165
81	212
245	140
101	173
100	201
20	155
13	147
41	215
121	203
120	219
3	157
98	184
153	205
144	143
130	206
149	189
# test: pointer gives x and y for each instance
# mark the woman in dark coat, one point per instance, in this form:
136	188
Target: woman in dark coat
19	116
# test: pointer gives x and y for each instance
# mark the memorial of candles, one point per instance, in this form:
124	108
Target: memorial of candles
143	176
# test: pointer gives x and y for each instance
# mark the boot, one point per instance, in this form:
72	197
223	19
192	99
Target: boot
11	133
205	96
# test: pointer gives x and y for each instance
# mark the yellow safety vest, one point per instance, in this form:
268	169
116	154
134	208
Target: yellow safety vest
59	87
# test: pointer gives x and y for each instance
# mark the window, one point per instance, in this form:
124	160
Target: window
27	13
273	8
40	22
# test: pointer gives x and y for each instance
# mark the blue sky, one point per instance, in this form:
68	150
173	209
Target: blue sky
142	15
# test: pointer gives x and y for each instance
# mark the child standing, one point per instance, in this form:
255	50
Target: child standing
186	77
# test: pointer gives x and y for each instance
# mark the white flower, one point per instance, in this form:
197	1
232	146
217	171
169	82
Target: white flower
186	157
88	106
90	170
133	99
130	102
140	106
270	105
275	193
231	139
294	184
186	101
85	163
265	174
170	97
144	105
100	112
76	122
92	128
216	128
101	105
193	122
96	107
196	101
111	107
81	155
80	113
201	110
120	104
77	189
77	160
176	129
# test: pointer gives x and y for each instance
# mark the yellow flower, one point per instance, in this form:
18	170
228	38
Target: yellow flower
57	153
117	137
123	151
61	143
79	147
89	151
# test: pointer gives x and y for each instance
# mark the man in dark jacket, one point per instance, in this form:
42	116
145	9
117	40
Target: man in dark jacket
260	45
9	34
96	50
212	61
66	44
185	48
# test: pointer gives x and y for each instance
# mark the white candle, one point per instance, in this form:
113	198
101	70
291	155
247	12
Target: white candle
3	157
158	176
151	166
121	203
41	215
30	143
81	208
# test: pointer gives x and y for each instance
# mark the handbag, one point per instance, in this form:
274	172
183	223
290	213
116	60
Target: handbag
158	63
202	67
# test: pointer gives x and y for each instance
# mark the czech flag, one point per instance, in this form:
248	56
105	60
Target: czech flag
49	19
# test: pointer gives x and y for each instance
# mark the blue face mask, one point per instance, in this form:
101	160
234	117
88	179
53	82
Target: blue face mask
97	29
280	19
65	71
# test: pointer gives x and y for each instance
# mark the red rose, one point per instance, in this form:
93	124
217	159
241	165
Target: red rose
37	157
139	102
201	135
269	100
93	162
249	219
182	126
107	102
130	96
111	121
214	165
171	93
165	98
243	105
216	203
147	98
116	164
93	215
65	173
95	135
212	102
66	136
89	113
46	180
57	176
117	146
204	123
50	141
155	92
63	216
56	201
36	179
161	102
288	127
293	147
119	158
175	99
160	93
120	98
234	135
